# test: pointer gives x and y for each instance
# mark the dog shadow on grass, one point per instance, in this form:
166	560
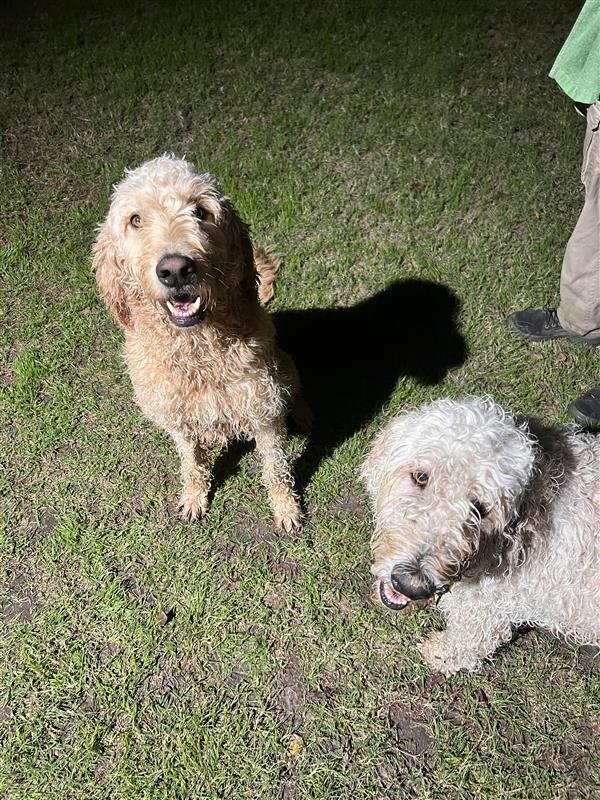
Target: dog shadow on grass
350	359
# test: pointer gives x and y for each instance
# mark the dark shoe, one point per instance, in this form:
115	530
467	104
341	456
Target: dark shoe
539	324
586	409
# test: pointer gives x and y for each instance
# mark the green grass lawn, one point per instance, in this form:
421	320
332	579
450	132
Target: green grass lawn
368	143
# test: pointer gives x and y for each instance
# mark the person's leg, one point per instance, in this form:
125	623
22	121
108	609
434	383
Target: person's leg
578	316
579	310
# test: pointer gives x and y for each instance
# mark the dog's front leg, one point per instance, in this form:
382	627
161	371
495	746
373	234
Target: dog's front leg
277	477
195	477
474	630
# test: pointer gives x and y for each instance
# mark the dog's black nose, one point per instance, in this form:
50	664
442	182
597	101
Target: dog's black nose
175	270
413	585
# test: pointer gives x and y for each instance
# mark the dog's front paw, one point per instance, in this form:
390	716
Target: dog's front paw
442	656
192	506
289	522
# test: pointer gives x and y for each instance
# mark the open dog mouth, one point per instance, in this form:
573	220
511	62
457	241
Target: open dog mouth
185	310
391	598
396	601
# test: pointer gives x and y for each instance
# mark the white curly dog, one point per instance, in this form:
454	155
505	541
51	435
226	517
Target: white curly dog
498	518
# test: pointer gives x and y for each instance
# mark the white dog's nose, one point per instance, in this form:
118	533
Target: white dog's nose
413	585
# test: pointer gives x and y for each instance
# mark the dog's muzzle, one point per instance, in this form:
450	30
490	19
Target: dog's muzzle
413	585
404	588
184	305
390	598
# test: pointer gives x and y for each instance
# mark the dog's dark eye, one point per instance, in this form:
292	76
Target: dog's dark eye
135	220
200	213
420	478
480	509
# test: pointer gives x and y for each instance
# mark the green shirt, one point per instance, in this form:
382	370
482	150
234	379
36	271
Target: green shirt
577	66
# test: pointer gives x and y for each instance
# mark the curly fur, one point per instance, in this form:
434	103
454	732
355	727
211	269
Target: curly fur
224	377
506	530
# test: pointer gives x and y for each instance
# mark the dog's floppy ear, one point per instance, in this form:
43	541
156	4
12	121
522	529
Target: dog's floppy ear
375	464
387	457
110	277
239	236
249	282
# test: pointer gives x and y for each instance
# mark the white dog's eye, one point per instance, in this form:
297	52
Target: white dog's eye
135	220
481	509
420	478
200	213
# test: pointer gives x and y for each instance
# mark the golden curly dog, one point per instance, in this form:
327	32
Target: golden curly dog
176	267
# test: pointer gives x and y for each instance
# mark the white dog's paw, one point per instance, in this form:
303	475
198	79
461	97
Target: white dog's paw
192	506
441	656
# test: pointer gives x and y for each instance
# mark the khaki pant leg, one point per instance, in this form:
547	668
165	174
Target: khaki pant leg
579	310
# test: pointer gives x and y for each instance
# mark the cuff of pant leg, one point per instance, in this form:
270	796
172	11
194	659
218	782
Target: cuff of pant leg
577	330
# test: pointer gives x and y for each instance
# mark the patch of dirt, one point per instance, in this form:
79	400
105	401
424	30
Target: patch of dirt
234	679
238	675
250	536
589	656
214	669
287	570
478	721
412	739
349	506
23	598
498	39
577	756
107	652
330	682
171	679
290	705
89	702
20	609
289	791
274	601
110	748
348	610
7	378
283	571
45	525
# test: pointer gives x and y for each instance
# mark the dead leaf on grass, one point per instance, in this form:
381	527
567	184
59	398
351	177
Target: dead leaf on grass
295	745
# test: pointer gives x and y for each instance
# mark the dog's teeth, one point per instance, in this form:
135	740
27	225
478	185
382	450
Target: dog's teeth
170	307
196	305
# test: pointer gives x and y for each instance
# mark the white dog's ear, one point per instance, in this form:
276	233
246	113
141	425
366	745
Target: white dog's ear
109	270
